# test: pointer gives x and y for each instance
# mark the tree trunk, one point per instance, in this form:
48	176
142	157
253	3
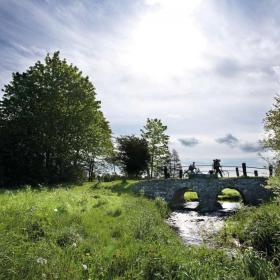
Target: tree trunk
90	171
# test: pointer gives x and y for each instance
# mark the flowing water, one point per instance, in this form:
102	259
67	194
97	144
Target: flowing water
196	228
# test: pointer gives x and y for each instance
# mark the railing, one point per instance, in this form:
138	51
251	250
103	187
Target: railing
236	171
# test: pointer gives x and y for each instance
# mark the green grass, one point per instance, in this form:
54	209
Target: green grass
229	195
226	195
257	228
190	196
102	231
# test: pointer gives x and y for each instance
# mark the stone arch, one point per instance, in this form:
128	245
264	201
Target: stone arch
232	188
244	190
172	190
230	205
178	200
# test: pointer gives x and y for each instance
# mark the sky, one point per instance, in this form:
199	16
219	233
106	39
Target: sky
209	69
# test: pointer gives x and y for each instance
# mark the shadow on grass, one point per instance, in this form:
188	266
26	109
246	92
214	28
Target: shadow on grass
118	187
39	187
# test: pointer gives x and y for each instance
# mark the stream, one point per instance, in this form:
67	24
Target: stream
195	228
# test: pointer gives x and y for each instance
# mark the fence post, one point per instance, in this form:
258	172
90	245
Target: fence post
270	168
237	171
256	173
165	172
244	169
180	173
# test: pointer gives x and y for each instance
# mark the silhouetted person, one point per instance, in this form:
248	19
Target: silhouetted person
217	167
270	168
192	168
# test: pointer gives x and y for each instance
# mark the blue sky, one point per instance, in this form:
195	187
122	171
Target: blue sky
208	69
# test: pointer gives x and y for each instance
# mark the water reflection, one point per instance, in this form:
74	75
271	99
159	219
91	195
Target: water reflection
196	228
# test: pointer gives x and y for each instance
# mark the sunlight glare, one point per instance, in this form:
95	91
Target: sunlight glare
167	40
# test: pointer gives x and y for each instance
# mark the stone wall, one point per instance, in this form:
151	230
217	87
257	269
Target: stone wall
252	190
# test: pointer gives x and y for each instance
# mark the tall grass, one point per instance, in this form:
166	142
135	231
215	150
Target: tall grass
101	231
257	228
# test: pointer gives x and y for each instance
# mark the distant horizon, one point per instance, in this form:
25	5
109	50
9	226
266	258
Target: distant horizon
208	69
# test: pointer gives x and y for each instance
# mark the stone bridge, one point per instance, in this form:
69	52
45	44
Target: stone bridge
207	187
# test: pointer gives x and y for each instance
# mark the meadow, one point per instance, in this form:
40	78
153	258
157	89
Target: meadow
103	231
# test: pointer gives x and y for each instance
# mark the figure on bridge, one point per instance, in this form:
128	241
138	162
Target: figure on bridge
270	169
191	169
217	167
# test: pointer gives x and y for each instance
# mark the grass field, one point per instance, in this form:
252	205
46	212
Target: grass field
102	231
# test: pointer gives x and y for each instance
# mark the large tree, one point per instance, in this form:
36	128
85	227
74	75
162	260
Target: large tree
133	155
154	133
51	125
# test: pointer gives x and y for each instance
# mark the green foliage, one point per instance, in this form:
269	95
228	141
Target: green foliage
61	234
133	155
51	125
272	126
258	228
258	267
154	133
274	184
162	207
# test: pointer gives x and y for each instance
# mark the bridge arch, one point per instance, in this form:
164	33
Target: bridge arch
249	194
178	198
207	187
231	194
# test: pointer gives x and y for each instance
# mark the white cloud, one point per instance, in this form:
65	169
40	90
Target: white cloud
276	70
201	66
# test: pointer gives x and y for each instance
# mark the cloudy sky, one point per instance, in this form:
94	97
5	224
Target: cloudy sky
208	68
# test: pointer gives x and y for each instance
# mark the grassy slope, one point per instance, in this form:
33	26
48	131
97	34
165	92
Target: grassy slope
257	228
103	232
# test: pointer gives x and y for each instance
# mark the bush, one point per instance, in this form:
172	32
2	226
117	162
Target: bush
258	228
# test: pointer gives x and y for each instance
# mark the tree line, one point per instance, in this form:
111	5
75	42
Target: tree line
53	130
148	154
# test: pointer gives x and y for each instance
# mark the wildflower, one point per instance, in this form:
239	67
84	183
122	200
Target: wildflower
85	267
55	210
41	260
74	244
